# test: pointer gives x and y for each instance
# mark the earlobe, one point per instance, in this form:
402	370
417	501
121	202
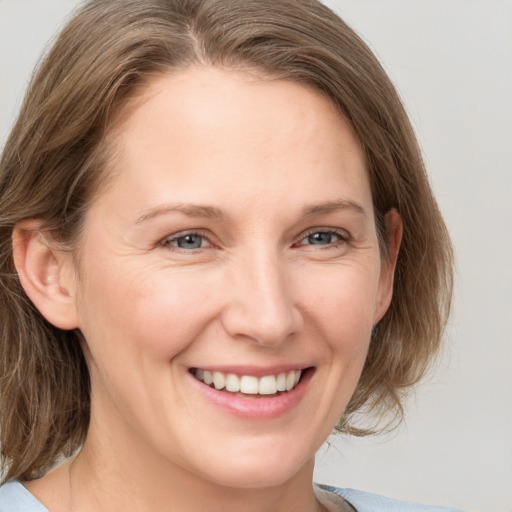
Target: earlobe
394	229
46	274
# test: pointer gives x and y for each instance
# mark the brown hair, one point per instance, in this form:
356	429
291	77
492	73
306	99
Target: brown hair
53	161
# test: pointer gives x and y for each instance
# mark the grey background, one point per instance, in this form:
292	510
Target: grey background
451	61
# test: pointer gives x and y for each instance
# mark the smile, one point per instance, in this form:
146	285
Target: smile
249	384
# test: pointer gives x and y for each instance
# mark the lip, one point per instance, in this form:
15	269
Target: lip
255	407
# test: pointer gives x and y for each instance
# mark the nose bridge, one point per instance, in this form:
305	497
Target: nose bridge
261	303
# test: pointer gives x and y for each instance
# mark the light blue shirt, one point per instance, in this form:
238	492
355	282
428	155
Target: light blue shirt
368	502
14	497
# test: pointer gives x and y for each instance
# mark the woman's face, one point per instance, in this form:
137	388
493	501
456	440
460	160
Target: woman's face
235	240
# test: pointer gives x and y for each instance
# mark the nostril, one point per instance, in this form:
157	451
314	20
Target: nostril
260	326
260	306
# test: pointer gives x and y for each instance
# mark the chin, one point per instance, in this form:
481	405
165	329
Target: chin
244	472
251	478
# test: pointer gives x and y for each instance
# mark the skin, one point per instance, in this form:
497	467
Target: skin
274	163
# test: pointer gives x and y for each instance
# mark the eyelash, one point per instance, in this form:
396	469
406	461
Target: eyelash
343	237
171	242
167	242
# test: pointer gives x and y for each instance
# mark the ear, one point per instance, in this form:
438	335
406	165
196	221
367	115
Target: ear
394	228
46	274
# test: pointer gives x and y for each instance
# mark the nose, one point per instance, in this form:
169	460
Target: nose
260	304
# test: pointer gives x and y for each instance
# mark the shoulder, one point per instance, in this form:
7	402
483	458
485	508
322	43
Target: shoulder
15	498
368	502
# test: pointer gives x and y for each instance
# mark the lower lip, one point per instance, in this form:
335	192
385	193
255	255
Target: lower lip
256	407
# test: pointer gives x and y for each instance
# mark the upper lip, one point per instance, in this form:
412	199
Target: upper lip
255	371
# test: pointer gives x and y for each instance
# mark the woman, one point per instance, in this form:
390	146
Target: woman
218	244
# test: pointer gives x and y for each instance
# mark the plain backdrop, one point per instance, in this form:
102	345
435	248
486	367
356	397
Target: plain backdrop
451	61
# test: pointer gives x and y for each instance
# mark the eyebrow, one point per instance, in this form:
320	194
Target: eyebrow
211	212
191	210
333	207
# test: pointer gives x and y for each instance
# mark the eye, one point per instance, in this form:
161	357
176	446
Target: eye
186	241
324	238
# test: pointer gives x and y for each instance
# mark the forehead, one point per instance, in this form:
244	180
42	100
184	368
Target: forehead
190	130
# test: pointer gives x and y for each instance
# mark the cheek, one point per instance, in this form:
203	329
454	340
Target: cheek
338	305
150	313
136	328
342	312
342	300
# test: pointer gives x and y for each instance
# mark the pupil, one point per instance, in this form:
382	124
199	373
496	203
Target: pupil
320	238
189	242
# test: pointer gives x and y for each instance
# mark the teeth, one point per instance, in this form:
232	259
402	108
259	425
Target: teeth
290	380
232	383
281	382
207	377
219	380
268	385
248	384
